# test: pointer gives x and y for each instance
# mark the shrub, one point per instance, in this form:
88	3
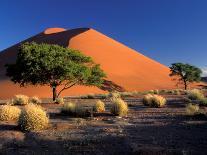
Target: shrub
72	109
147	100
119	107
33	118
99	106
21	100
192	109
115	94
195	94
158	101
59	100
156	91
151	91
176	92
8	113
203	101
68	108
35	100
154	100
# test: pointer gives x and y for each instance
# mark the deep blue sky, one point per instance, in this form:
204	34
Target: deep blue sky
165	30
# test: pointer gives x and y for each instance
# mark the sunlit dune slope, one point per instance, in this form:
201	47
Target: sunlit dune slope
126	69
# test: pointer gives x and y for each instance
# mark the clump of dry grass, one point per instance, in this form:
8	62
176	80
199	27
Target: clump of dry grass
59	100
35	100
154	100
195	94
147	100
8	113
68	108
193	109
119	107
33	118
21	100
99	106
75	110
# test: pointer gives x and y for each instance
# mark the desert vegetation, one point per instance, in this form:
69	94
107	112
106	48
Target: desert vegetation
20	100
33	118
8	113
154	100
71	67
98	121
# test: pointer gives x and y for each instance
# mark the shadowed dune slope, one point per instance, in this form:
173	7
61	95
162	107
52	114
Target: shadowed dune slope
126	69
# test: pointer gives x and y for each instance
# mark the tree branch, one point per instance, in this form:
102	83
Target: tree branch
65	87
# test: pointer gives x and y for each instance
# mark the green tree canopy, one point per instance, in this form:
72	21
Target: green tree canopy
185	73
53	65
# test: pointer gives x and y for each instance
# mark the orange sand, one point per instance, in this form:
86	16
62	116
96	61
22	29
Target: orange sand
126	68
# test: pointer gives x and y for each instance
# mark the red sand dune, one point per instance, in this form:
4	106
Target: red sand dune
126	69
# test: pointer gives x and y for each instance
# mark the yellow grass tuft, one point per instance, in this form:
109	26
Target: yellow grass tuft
192	109
99	106
68	108
8	113
33	118
154	100
195	94
21	100
119	107
35	100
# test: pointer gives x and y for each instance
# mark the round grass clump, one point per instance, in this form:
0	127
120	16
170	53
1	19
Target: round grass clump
158	101
59	100
99	106
21	100
119	107
147	100
8	113
68	108
192	109
33	118
154	100
35	100
195	94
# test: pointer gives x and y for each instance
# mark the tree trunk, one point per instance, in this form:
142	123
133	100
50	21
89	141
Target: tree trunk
185	83
54	93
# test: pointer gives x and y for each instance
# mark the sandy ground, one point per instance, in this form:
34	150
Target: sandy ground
144	131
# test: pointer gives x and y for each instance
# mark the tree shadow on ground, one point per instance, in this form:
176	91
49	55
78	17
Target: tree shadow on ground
111	86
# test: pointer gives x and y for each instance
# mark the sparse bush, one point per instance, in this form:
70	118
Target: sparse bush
195	94
68	108
147	100
99	106
158	101
21	100
192	109
75	110
8	113
119	107
33	118
203	101
59	100
154	100
176	92
151	91
156	91
35	100
115	95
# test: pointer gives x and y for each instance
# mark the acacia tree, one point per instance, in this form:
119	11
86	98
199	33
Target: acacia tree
185	73
53	65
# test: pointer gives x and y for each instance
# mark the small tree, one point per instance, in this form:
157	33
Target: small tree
53	65
185	73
